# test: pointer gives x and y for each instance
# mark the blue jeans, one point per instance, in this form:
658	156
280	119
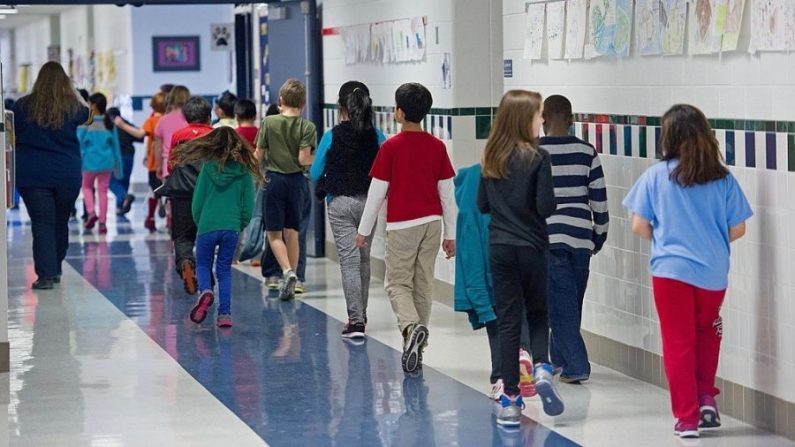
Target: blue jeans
226	241
49	210
121	187
568	278
269	265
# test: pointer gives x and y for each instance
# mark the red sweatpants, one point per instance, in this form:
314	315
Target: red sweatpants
691	329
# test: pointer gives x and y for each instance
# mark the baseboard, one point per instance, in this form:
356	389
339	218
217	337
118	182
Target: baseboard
748	405
5	359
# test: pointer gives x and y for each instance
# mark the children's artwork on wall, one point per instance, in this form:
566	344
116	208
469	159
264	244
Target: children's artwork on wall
384	42
534	31
647	27
673	14
556	20
609	28
176	53
705	29
731	16
576	16
771	24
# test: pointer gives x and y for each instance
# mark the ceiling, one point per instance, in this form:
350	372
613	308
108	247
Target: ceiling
29	14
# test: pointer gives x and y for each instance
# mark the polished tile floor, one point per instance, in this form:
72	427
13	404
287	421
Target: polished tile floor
110	359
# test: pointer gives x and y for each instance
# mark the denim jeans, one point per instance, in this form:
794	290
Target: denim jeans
568	278
121	187
269	265
49	210
226	241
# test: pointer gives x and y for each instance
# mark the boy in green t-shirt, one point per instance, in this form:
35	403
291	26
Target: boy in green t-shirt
285	145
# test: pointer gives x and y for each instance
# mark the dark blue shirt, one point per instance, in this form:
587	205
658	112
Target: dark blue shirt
47	158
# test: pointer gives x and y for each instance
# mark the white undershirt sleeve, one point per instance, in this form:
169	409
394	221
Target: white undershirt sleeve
375	200
449	208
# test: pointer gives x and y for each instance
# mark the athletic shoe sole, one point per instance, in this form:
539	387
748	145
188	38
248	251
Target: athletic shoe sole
526	386
199	311
287	292
709	417
411	353
687	434
553	404
508	424
353	335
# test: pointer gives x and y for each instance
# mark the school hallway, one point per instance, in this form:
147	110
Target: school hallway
109	358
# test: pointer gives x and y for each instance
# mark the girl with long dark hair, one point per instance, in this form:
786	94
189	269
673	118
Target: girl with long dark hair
342	170
691	208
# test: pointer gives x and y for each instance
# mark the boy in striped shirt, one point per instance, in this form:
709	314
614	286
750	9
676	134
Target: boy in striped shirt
577	230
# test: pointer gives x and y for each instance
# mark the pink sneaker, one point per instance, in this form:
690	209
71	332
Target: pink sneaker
526	382
710	418
224	321
199	312
686	430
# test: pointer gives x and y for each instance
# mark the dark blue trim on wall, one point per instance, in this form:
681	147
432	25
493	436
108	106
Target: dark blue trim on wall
141	103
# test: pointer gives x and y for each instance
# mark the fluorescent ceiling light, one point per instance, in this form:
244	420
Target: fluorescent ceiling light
8	10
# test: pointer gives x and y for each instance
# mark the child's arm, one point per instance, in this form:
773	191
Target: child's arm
449	212
642	227
319	164
247	203
199	193
375	200
137	133
305	156
545	189
308	145
597	200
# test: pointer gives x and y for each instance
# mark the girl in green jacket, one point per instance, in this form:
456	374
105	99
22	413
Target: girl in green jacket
222	205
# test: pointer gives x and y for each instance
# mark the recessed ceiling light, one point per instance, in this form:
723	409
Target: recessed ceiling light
8	10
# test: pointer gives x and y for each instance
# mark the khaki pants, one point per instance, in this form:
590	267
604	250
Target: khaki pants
410	261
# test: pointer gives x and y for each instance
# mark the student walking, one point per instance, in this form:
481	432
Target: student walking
171	122
225	110
413	168
516	189
342	171
222	205
246	118
46	124
577	230
121	187
691	208
99	147
285	145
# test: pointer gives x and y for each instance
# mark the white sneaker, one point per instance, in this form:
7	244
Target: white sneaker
496	390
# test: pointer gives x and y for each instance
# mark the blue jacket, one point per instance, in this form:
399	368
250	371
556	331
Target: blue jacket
473	284
100	147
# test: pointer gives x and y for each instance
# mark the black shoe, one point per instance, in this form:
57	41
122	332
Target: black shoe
416	336
126	204
353	330
56	279
43	284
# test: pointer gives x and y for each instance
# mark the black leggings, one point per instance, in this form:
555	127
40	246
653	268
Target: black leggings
520	290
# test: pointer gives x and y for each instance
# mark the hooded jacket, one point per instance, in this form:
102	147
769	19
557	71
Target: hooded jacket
473	284
223	199
99	147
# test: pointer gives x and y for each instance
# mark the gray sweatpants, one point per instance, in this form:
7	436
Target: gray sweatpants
344	216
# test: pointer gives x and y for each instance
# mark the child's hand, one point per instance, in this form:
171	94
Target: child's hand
449	247
361	241
118	121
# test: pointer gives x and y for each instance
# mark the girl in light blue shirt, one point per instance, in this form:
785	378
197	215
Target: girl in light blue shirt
691	208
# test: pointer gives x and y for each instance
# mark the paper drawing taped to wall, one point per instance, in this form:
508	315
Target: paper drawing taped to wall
556	20
771	23
673	14
576	16
733	11
534	31
705	30
647	27
385	42
609	28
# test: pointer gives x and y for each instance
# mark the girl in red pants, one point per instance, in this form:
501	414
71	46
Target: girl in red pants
691	208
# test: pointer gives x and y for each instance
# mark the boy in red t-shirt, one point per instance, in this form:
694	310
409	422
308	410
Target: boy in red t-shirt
246	117
414	170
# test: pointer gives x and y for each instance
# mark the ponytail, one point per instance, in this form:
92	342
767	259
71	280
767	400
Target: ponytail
359	107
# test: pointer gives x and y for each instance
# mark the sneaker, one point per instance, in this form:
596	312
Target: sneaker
416	336
686	430
189	280
574	380
126	204
497	388
199	311
511	412
526	384
56	279
545	386
299	287
287	290
710	418
272	282
149	224
90	222
43	284
224	321
103	229
353	330
161	208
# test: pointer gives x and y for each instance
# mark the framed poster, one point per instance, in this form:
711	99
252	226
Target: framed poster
176	53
